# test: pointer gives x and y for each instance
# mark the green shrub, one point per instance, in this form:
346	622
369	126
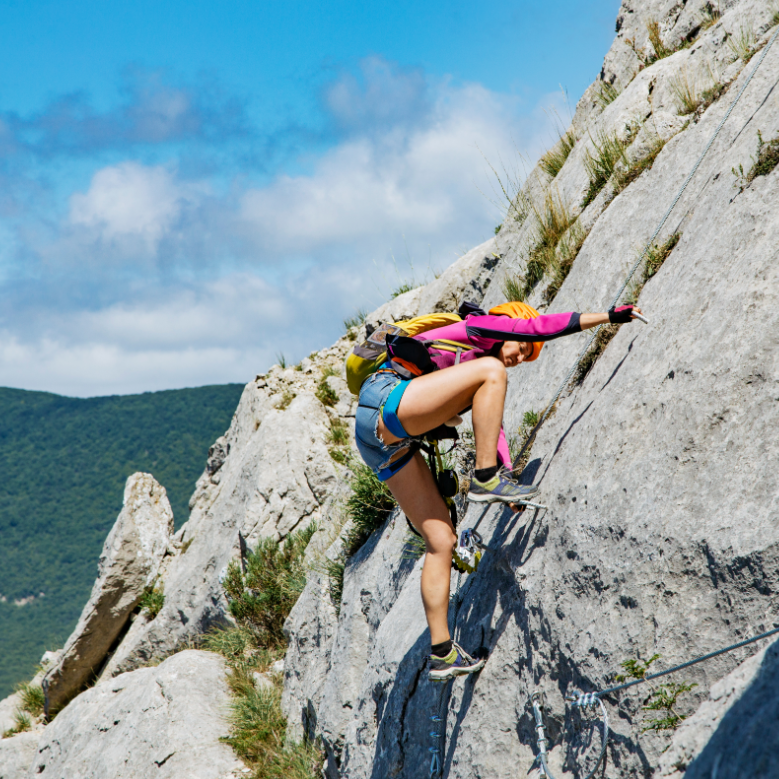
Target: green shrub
326	394
338	455
152	601
601	163
655	40
368	507
262	596
513	288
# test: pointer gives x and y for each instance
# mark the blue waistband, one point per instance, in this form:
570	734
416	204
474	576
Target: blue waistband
389	411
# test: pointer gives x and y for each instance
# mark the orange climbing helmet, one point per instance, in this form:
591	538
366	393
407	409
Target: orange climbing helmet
517	310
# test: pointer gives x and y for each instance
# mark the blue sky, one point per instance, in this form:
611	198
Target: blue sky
187	189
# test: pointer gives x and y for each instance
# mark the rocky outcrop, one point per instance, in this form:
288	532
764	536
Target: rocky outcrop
271	473
158	722
128	564
657	468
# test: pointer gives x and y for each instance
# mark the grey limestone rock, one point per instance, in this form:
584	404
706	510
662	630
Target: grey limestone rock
734	727
164	721
16	754
658	470
128	564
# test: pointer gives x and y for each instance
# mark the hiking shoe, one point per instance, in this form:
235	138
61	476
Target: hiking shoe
457	663
500	489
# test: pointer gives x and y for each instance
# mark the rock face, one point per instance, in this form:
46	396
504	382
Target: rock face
128	564
16	754
661	534
734	727
154	722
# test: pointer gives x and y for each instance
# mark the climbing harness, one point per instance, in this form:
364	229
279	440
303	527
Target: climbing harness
643	254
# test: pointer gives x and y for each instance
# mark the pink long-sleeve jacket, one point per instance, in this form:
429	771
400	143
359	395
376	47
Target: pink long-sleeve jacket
482	335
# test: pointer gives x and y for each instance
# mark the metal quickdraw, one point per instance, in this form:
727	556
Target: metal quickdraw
468	552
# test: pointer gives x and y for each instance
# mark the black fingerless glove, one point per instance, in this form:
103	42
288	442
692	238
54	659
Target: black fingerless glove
618	316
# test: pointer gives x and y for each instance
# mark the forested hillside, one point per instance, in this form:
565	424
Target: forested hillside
64	463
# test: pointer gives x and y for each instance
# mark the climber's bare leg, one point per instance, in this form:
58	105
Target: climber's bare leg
429	401
419	499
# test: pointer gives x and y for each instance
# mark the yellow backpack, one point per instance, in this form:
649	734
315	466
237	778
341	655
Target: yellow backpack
368	357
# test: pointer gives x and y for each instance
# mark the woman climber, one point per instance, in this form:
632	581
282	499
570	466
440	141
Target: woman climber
393	413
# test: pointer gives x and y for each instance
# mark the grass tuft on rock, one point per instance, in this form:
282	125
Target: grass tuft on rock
32	698
355	320
325	394
607	94
552	162
600	163
743	43
368	507
626	176
261	596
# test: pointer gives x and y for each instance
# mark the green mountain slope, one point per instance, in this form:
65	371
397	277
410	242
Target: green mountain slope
64	462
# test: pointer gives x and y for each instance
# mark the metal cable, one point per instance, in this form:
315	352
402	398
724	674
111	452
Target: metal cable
676	668
648	245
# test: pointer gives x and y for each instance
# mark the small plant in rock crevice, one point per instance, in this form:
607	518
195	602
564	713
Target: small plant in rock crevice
664	698
281	360
656	255
516	442
685	92
22	722
339	432
566	252
659	49
626	176
607	93
152	601
31	705
286	398
325	394
602	340
355	320
553	220
765	162
367	508
711	14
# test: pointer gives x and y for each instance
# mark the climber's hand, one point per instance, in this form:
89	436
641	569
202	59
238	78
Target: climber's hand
623	314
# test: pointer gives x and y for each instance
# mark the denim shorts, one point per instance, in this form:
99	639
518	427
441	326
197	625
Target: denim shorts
380	394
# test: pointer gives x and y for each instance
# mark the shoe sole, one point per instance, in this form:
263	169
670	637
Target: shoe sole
451	673
490	498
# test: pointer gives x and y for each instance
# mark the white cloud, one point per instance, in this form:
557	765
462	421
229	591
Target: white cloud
200	288
130	200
